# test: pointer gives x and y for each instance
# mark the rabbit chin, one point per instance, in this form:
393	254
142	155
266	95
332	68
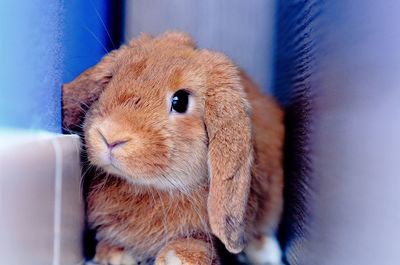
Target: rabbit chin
168	181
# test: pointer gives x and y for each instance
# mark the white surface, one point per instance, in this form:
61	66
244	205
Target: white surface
40	199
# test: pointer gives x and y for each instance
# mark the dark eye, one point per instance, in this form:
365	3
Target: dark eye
180	101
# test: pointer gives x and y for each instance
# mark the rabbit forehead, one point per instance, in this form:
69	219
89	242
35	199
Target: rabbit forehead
156	75
168	66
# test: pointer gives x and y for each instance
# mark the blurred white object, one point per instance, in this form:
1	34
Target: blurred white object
41	205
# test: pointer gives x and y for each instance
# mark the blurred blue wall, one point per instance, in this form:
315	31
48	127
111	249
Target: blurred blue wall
42	45
91	29
338	75
30	64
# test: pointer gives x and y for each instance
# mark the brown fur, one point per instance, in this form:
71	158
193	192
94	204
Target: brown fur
189	251
214	170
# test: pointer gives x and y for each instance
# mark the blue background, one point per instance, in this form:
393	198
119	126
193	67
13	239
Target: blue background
42	45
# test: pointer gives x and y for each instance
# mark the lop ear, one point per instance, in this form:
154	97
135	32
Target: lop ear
230	154
78	95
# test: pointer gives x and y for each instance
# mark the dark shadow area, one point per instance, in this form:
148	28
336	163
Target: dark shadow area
295	62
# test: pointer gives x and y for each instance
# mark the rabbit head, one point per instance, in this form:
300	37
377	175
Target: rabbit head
158	112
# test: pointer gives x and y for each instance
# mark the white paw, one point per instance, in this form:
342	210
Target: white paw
116	258
172	259
266	252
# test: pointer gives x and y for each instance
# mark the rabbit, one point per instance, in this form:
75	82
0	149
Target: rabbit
187	150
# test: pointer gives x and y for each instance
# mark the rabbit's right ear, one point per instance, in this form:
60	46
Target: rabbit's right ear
78	95
230	150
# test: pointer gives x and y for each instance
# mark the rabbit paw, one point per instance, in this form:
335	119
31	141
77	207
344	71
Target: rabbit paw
172	259
186	252
265	251
107	255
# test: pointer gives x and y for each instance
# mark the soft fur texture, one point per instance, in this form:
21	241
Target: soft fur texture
174	181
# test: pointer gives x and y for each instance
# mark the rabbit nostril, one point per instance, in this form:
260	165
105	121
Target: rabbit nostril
116	143
113	144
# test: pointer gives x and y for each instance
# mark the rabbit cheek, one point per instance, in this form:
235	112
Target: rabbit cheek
190	156
147	161
96	149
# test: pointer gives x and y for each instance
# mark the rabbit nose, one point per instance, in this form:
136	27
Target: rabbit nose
116	143
112	144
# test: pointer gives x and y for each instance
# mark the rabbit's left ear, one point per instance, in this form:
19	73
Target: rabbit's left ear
230	154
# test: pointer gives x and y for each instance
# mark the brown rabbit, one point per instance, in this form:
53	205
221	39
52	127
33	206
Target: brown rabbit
187	150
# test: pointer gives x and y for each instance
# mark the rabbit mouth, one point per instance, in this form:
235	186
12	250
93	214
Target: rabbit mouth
167	181
112	168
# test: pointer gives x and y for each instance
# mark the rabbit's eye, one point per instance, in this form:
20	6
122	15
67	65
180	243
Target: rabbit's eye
180	101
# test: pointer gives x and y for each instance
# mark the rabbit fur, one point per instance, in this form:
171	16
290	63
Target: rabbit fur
174	182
